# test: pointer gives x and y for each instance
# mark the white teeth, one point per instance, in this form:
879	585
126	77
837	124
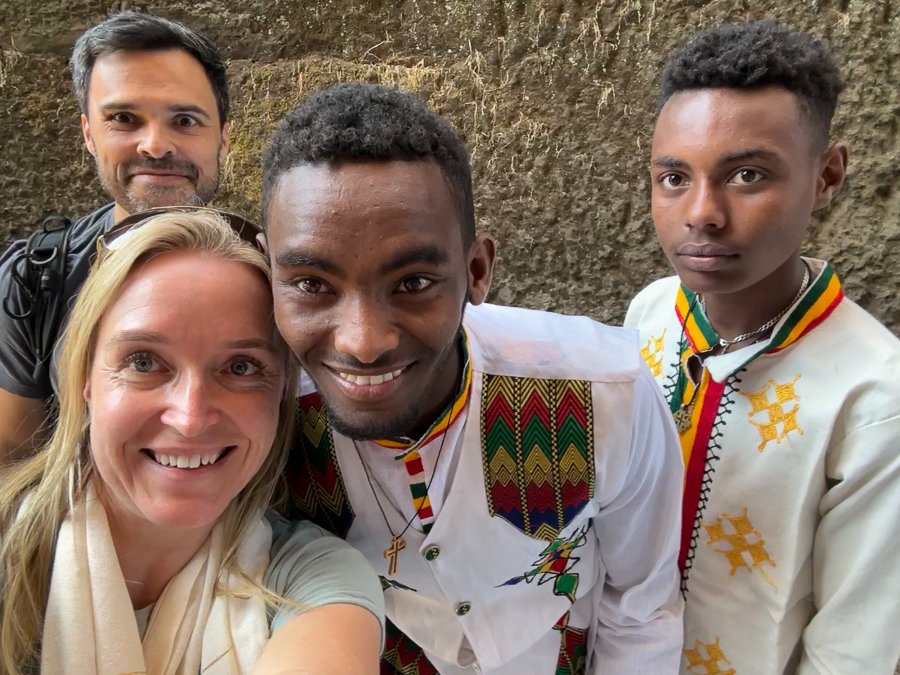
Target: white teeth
186	461
369	380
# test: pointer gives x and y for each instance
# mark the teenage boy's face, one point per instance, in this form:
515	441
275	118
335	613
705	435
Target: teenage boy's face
736	175
370	278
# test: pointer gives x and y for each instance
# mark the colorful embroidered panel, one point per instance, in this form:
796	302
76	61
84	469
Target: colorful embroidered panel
317	491
537	446
556	563
572	648
402	656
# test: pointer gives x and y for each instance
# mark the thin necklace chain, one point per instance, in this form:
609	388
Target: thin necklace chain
723	342
365	466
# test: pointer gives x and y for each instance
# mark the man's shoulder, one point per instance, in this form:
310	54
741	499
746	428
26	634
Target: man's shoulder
531	343
23	371
92	225
868	351
652	302
81	231
852	319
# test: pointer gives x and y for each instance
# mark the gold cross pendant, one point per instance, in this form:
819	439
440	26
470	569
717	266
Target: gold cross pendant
391	553
683	417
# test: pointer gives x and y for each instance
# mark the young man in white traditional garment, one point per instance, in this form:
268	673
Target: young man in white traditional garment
786	394
513	475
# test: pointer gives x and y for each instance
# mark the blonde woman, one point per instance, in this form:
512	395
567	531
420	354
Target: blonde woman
137	540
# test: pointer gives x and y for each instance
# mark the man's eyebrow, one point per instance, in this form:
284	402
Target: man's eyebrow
749	153
429	255
669	163
666	162
297	258
125	106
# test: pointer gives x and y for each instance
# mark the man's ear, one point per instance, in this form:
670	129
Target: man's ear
86	132
482	254
832	171
226	140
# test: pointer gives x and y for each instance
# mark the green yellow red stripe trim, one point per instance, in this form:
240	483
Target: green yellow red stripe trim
819	301
814	307
699	332
409	450
694	450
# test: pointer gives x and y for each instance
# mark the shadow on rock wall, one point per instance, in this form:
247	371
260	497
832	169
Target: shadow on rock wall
554	98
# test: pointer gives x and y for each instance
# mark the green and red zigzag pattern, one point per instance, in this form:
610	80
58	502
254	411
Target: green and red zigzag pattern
317	490
537	450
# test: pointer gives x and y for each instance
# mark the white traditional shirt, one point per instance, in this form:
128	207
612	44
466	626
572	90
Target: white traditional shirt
790	550
553	546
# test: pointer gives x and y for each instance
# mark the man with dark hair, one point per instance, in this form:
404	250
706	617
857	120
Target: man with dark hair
786	394
513	475
154	109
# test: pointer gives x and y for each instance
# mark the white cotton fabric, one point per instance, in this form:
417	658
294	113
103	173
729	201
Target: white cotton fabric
90	627
821	591
627	599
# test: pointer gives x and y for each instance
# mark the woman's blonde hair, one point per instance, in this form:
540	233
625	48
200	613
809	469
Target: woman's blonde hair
37	493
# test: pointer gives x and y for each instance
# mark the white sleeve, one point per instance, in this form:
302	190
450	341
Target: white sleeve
856	558
639	608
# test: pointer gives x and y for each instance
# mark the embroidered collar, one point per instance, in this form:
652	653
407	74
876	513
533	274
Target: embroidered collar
446	419
810	310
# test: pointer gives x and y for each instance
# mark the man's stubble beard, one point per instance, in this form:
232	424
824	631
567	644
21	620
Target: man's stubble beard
399	426
198	193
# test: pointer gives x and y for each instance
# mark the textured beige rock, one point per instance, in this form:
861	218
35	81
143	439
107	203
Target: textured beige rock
554	98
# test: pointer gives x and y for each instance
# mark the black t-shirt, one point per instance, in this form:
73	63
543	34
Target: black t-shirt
18	362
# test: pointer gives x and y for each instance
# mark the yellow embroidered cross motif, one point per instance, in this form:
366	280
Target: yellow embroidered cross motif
787	419
704	659
652	354
743	544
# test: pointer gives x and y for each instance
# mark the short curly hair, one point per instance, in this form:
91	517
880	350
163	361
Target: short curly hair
758	54
358	121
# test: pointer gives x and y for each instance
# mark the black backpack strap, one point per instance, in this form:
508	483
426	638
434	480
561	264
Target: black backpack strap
39	273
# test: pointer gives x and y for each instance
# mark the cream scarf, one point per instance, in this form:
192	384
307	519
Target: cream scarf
90	628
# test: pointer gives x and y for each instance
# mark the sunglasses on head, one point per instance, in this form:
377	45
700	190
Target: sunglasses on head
246	229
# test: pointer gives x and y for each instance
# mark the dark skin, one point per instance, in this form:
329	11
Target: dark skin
736	177
370	278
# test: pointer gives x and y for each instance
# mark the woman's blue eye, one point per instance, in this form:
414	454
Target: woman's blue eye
243	367
142	362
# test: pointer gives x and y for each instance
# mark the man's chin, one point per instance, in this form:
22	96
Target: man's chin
161	197
370	426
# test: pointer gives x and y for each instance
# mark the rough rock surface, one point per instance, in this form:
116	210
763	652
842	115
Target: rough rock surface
554	98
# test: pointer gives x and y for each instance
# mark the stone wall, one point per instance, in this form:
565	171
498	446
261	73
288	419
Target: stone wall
553	97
